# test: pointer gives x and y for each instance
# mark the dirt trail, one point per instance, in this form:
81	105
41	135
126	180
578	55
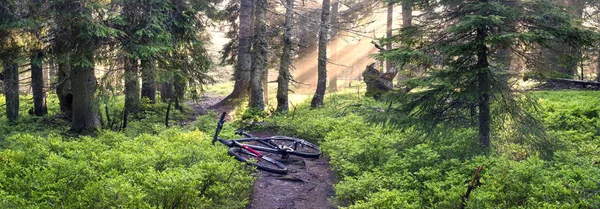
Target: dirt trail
307	185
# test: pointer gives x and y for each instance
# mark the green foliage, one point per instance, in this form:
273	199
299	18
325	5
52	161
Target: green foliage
144	166
463	49
382	166
171	169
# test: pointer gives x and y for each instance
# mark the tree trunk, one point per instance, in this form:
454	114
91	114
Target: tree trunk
259	56
334	29
179	87
265	85
598	67
283	79
148	80
406	22
11	89
63	89
317	100
166	91
388	45
243	67
83	83
132	86
484	85
38	84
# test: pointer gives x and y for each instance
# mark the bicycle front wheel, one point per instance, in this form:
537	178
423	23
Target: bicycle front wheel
264	163
295	146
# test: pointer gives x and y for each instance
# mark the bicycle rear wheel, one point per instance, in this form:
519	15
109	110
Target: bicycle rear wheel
264	163
294	146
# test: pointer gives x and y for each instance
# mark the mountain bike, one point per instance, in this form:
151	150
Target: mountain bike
247	149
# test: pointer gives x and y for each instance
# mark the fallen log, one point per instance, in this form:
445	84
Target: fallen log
562	83
572	81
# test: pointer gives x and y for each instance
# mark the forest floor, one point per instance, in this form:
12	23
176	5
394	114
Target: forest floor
307	185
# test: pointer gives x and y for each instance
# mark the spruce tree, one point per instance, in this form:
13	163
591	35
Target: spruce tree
457	42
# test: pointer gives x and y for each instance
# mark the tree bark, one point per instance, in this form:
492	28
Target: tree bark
265	85
406	22
317	100
283	79
11	89
63	89
83	83
148	80
243	67
598	67
484	86
166	91
132	85
179	87
388	45
334	29
38	84
259	56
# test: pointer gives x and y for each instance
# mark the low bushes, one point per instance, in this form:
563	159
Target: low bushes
391	166
43	165
168	170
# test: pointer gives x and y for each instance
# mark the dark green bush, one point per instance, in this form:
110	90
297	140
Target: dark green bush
381	166
168	170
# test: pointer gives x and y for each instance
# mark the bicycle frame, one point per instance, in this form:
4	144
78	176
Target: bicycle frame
232	143
266	143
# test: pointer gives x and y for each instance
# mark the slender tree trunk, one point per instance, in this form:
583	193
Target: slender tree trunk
51	72
132	86
259	56
283	79
11	88
179	87
598	67
265	85
243	67
406	22
166	91
37	83
148	80
63	88
83	83
334	23
388	45
317	100
484	85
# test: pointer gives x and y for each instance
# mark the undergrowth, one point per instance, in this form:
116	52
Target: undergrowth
383	165
146	165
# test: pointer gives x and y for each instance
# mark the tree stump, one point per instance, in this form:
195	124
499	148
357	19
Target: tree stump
378	82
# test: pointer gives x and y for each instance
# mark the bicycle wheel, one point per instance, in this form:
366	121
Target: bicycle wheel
264	163
293	146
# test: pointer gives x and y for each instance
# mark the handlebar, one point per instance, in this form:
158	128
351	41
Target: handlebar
219	127
241	132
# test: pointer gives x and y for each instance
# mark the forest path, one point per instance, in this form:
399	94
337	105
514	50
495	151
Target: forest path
307	185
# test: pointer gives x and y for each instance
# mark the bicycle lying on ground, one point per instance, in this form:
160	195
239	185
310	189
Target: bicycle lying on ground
247	149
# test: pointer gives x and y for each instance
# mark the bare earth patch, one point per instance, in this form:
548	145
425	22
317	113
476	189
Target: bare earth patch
307	185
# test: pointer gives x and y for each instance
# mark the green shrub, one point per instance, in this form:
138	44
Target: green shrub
382	166
172	169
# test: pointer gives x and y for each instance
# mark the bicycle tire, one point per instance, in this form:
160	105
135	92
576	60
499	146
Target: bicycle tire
306	149
265	163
